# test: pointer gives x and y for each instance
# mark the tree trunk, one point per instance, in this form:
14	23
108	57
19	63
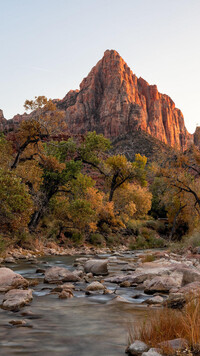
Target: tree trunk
35	219
111	194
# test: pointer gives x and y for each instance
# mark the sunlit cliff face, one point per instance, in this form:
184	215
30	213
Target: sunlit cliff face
113	101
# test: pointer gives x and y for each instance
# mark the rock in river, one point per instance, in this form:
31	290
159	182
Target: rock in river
95	286
10	280
60	274
16	298
137	348
162	283
97	267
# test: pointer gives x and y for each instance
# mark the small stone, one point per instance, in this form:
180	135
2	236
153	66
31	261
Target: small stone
9	260
89	275
95	286
118	299
17	322
108	291
152	352
137	348
155	300
68	286
65	294
125	284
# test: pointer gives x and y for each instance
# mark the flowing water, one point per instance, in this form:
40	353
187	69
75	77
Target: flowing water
80	326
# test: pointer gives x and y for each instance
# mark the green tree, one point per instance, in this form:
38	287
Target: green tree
15	202
120	171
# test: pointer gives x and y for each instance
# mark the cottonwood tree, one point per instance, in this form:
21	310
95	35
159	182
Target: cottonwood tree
181	176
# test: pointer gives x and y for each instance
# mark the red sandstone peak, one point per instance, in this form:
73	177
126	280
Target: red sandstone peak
113	101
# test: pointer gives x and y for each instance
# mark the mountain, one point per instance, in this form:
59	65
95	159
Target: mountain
114	102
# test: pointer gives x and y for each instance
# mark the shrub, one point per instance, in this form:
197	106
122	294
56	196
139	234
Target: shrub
97	239
134	226
24	239
194	240
147	233
112	240
139	243
152	242
106	229
77	237
163	228
2	244
190	241
163	325
151	224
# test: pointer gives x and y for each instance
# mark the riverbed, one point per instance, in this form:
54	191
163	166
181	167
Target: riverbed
86	325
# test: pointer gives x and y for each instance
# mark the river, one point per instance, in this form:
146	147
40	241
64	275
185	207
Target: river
80	326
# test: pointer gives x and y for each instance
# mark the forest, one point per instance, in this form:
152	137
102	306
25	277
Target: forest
72	191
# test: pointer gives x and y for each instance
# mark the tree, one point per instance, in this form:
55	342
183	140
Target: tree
120	171
45	121
181	177
15	202
132	201
5	152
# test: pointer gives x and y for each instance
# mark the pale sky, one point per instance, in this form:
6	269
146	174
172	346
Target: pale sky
48	46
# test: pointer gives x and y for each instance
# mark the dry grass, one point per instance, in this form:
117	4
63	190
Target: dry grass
167	324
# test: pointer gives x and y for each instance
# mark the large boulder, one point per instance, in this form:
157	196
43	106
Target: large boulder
175	344
179	298
11	280
190	275
163	284
16	298
97	267
147	271
60	274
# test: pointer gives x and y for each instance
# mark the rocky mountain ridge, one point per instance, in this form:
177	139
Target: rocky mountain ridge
114	102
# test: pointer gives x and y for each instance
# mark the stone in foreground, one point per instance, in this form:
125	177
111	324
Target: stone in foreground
137	348
155	300
11	280
16	298
152	352
97	267
175	344
60	274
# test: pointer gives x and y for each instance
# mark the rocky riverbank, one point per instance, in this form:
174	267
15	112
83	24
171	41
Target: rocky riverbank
121	277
